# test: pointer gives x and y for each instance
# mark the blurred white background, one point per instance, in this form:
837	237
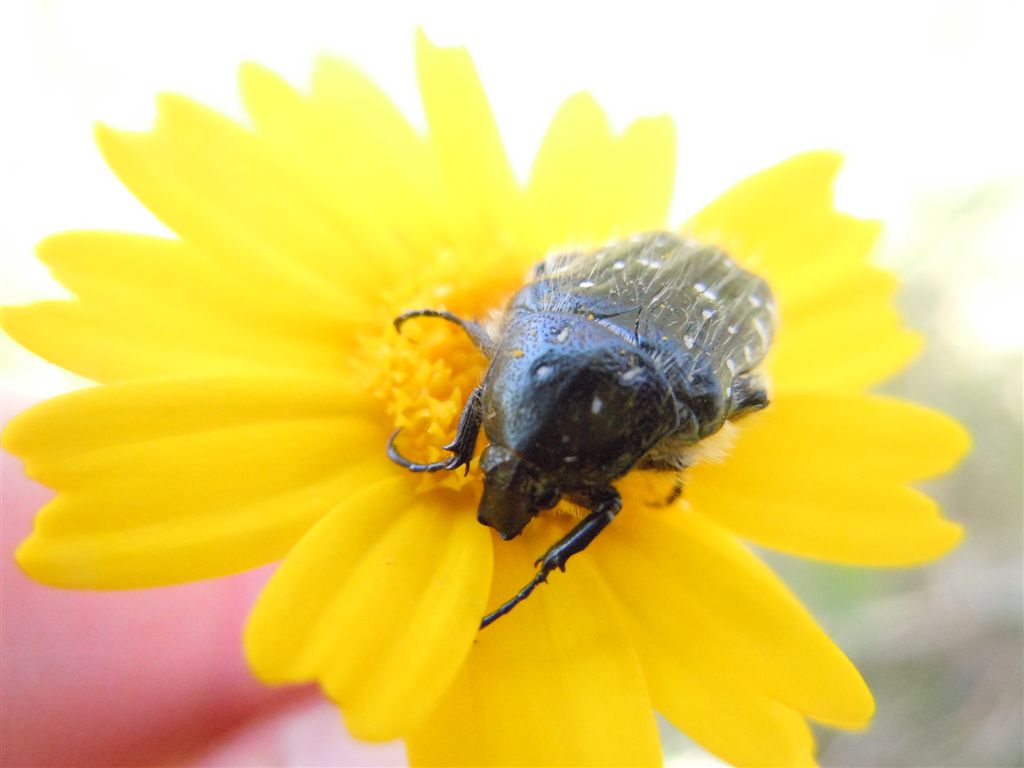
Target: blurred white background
923	97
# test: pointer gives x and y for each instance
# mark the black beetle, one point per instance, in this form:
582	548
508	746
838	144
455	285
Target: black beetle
622	358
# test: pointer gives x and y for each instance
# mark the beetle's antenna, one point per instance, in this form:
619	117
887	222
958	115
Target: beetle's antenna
476	332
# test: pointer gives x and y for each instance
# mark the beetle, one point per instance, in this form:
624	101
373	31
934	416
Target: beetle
618	359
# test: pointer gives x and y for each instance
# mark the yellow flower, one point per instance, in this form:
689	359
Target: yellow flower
251	376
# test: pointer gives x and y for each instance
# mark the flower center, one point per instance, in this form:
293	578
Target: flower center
425	374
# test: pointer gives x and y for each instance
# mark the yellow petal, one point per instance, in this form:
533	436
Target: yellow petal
379	602
176	480
821	285
840	332
863	350
587	186
218	187
834	487
373	142
837	327
565	200
882	438
646	175
715	706
353	144
482	189
189	315
761	219
683	577
555	682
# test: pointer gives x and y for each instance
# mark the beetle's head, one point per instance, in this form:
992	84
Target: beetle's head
574	400
513	492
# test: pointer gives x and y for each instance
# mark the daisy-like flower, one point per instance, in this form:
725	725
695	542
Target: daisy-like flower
250	376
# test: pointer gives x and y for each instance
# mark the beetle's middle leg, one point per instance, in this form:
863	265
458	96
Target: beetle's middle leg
748	394
605	503
462	447
667	458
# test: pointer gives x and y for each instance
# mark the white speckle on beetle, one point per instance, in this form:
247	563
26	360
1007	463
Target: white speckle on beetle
688	341
571	459
707	314
760	330
619	264
542	372
629	375
562	335
699	287
596	405
587	284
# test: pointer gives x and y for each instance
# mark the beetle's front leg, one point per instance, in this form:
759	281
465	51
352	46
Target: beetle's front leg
605	504
468	431
462	447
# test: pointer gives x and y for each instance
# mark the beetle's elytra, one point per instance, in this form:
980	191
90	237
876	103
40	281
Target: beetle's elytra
607	361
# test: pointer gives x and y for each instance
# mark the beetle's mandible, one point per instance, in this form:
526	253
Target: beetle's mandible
619	359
